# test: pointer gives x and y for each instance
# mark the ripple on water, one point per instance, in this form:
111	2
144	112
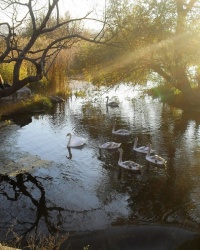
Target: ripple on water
93	192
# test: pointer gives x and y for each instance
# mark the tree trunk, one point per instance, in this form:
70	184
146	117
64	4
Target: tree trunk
180	82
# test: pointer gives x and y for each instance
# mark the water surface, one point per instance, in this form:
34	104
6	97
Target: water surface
45	190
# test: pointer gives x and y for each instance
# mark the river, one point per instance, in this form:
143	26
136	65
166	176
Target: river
46	188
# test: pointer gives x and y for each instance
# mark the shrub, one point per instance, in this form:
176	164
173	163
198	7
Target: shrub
37	102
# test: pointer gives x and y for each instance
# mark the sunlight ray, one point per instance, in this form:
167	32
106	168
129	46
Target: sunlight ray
144	54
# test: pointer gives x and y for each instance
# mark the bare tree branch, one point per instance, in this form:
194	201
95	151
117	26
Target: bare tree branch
57	32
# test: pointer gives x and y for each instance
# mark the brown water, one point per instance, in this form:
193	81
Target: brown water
44	190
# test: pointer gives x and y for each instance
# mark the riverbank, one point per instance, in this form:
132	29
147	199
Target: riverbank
7	248
128	237
143	237
172	97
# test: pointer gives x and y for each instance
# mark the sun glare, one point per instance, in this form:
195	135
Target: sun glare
78	9
142	53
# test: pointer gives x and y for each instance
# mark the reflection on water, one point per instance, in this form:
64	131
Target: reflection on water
80	191
28	191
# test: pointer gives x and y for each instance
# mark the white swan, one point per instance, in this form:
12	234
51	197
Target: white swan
156	159
120	131
111	104
75	141
131	165
142	149
110	145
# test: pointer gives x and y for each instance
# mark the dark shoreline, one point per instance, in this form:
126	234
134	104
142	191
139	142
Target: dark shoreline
143	237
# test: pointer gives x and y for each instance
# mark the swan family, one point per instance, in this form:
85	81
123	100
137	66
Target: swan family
76	142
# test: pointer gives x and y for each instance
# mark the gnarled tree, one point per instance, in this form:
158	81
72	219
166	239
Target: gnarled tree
43	20
164	39
157	38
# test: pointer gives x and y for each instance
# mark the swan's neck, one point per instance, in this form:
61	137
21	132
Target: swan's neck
70	154
107	100
70	137
135	143
120	156
114	126
149	150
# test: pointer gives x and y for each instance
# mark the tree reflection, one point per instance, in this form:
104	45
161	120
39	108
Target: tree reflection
21	120
17	189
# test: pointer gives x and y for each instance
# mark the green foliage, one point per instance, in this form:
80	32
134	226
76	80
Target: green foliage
106	65
80	93
167	94
148	37
40	87
57	74
55	83
24	70
6	70
37	102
